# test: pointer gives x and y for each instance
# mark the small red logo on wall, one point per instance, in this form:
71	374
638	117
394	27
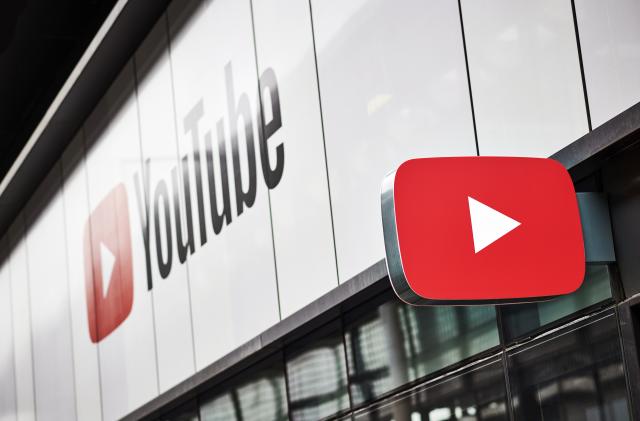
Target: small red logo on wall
108	265
482	229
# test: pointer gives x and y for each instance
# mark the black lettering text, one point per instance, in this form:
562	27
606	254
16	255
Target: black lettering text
161	198
269	83
142	194
191	125
242	110
184	244
218	218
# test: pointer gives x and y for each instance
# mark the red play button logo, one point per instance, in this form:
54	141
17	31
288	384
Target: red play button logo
108	265
481	229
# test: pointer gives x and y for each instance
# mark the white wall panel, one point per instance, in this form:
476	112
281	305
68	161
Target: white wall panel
7	371
301	213
23	350
393	86
610	43
49	294
158	136
525	76
232	276
76	211
127	354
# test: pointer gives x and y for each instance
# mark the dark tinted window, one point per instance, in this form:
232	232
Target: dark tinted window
620	176
577	375
521	319
317	375
478	394
257	395
393	343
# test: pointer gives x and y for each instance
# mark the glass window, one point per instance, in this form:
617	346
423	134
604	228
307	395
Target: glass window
577	375
317	375
478	394
257	395
394	343
520	319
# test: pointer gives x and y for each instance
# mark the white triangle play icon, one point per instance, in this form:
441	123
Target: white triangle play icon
107	259
487	224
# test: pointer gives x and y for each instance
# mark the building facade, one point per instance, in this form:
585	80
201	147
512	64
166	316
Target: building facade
208	244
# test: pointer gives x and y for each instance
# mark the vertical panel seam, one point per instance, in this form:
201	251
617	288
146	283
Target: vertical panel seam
180	175
324	142
9	252
507	384
86	185
260	128
466	63
153	310
66	265
582	75
33	364
504	360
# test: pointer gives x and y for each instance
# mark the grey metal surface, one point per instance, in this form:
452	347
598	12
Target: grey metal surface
589	152
397	276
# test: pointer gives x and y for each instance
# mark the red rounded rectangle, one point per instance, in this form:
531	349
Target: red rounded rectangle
108	265
482	230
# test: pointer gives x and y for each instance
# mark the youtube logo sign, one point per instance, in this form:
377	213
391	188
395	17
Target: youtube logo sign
108	265
475	230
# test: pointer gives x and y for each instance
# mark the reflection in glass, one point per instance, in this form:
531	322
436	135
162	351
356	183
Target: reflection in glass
317	375
575	376
257	395
394	343
520	319
478	394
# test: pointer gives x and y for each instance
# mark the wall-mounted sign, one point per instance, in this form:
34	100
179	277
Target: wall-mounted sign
474	230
